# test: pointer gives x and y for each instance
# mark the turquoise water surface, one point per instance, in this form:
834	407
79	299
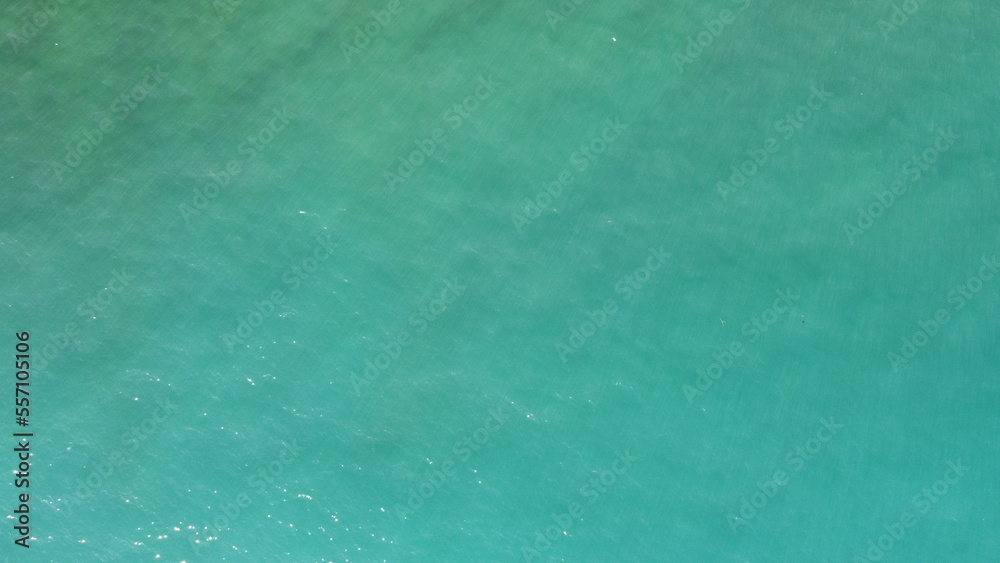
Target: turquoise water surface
503	281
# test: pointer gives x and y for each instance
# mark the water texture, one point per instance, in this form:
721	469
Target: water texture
503	281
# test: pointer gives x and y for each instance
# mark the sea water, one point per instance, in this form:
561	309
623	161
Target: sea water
502	281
